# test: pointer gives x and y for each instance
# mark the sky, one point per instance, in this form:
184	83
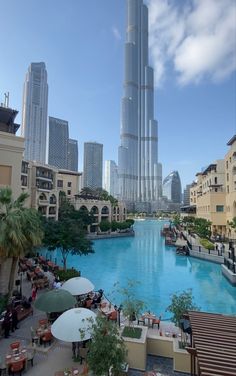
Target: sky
192	50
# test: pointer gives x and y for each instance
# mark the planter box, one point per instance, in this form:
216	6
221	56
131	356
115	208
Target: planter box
137	350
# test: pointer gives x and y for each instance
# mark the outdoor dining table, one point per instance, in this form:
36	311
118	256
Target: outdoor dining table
14	358
68	372
149	316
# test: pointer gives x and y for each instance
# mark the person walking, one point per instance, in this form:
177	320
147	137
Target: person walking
34	293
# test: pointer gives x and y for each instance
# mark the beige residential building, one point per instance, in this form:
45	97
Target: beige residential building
11	151
230	184
208	194
69	182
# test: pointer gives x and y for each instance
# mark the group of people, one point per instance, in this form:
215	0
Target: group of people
10	321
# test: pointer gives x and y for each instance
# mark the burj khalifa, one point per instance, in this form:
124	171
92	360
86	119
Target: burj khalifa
139	170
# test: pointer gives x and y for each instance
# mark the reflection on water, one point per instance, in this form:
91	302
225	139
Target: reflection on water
161	272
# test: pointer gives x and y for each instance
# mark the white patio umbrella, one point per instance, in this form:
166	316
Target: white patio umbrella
78	286
74	325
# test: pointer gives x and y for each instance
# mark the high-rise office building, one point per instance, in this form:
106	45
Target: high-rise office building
111	178
34	112
187	195
93	160
139	171
72	162
58	142
172	187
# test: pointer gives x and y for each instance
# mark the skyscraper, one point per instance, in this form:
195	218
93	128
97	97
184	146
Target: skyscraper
111	178
34	112
172	187
72	155
139	171
93	160
58	142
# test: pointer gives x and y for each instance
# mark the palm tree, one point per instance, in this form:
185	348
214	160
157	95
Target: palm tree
20	230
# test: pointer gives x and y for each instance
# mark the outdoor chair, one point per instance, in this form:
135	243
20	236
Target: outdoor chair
47	338
43	322
15	345
3	367
16	367
141	320
156	322
83	351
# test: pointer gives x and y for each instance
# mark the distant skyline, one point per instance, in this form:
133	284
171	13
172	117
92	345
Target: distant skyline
192	50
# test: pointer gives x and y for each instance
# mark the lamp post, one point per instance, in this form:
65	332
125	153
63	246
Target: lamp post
119	311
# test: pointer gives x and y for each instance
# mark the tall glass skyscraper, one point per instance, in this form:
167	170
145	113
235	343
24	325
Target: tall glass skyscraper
72	155
172	187
58	142
34	112
111	178
93	160
139	171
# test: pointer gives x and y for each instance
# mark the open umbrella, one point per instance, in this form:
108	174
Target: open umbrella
55	301
74	325
78	286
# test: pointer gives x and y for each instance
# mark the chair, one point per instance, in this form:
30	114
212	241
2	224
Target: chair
43	322
83	351
16	367
156	322
47	338
141	320
88	303
15	345
113	316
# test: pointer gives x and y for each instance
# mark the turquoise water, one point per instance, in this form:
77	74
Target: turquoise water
161	272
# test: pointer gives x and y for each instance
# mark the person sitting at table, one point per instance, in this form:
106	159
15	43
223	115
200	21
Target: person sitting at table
7	322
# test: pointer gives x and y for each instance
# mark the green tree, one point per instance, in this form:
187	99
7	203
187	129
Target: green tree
180	304
68	233
104	225
202	227
107	349
232	223
131	306
20	229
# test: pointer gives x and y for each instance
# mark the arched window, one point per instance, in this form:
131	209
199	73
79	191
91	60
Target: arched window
94	210
43	197
105	210
53	199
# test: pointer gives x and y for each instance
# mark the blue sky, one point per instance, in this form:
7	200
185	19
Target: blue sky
193	51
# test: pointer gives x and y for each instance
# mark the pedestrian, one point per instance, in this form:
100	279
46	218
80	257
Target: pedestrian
15	321
34	293
7	322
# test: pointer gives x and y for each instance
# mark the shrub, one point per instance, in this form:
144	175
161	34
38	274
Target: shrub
104	225
64	275
207	244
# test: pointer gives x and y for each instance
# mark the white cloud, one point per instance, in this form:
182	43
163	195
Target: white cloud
198	37
116	33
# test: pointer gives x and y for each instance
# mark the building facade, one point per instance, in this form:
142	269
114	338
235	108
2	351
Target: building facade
58	142
93	161
111	178
230	186
139	173
73	154
34	113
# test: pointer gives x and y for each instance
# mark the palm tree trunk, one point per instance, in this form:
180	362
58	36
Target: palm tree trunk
5	271
12	278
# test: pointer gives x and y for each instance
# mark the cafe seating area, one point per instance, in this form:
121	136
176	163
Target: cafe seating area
17	359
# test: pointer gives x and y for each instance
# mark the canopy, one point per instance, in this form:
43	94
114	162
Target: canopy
55	301
78	286
74	325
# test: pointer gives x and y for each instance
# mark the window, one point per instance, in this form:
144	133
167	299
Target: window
227	164
5	175
69	184
69	193
227	177
215	180
227	189
219	208
60	183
